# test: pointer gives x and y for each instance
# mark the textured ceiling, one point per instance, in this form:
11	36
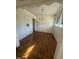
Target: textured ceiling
34	3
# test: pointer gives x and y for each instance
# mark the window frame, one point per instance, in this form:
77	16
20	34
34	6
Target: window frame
59	19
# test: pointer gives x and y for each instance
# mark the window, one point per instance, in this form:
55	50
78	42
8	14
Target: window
59	19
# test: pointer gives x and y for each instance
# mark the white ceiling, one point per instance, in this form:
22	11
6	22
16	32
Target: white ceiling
48	10
32	3
34	6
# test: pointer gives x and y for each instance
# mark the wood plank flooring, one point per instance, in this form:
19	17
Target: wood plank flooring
38	45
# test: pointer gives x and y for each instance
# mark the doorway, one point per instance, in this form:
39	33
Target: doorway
33	24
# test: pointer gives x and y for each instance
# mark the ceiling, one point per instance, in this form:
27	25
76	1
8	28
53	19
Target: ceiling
34	6
33	3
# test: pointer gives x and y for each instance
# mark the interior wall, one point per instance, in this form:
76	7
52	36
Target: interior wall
23	17
17	42
58	33
45	24
59	51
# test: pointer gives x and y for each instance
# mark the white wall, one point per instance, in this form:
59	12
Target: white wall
59	52
58	33
45	24
23	17
17	42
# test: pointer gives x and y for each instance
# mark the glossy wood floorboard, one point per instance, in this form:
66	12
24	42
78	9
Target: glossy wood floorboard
37	46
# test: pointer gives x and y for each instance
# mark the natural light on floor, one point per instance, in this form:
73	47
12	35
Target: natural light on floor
28	51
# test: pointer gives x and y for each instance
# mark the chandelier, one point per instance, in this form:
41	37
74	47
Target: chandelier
41	17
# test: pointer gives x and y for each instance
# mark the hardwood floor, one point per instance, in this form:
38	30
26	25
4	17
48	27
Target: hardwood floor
37	46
